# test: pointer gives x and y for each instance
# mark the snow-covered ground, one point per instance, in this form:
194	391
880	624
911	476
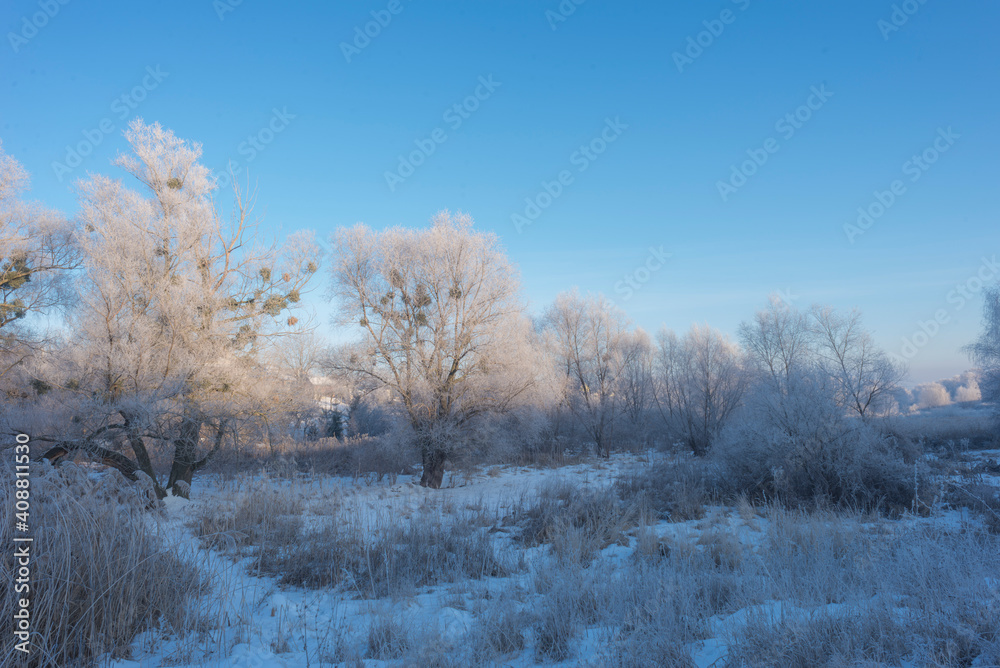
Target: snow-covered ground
250	620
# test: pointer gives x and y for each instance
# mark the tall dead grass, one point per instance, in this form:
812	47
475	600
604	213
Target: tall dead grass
99	576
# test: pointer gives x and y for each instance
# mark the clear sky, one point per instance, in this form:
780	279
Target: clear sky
646	111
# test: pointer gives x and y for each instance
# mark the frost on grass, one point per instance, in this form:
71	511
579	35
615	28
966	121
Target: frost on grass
578	523
263	517
394	557
99	576
400	557
588	573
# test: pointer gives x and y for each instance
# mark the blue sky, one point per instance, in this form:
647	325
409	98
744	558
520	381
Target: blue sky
557	77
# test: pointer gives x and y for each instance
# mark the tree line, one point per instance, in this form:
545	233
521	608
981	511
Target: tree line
178	336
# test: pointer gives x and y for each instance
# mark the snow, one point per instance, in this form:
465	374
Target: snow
256	622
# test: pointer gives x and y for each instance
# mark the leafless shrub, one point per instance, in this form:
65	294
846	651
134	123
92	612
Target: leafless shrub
799	447
387	455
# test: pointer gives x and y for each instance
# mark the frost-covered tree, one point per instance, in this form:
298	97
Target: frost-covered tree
635	381
969	391
777	342
700	382
299	352
783	344
174	308
37	254
588	337
865	375
801	445
443	327
985	351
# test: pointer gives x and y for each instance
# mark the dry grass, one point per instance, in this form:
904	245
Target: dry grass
578	523
498	631
980	498
863	637
99	576
676	491
263	517
394	560
387	638
439	544
853	588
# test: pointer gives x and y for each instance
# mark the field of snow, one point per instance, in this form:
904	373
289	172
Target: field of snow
734	586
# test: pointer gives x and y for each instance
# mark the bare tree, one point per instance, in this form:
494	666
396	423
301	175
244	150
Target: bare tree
777	342
865	375
37	254
174	308
299	352
442	323
635	381
700	382
985	351
668	363
715	380
588	336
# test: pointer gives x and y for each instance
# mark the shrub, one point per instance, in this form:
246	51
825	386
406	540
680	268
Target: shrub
801	448
358	456
369	418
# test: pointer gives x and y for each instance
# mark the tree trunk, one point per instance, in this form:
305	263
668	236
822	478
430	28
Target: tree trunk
145	465
141	453
185	446
433	461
